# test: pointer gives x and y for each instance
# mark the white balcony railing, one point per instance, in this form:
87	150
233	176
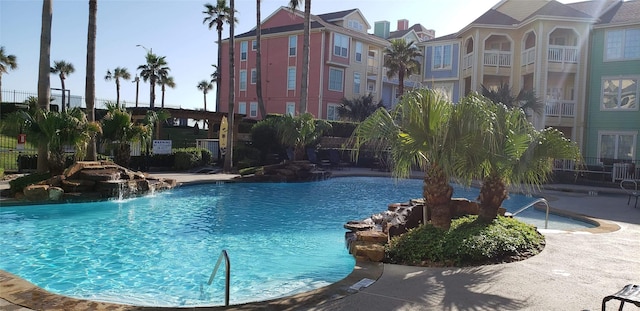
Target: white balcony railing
560	108
467	61
563	54
529	56
497	58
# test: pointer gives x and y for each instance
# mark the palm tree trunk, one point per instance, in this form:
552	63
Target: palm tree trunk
205	102
90	88
263	110
163	88
64	93
492	194
219	77
43	75
305	57
437	193
228	159
152	92
401	82
117	92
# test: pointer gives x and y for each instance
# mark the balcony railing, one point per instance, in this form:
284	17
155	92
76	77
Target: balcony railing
497	58
529	56
559	108
563	54
467	61
372	69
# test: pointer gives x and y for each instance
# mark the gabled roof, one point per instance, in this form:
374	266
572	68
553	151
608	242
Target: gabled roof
281	29
557	9
594	8
623	12
398	34
333	16
493	17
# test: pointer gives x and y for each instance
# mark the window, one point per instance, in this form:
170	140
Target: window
243	50
622	44
445	89
371	87
253	109
254	76
335	79
358	51
355	24
356	83
243	80
242	108
332	112
619	93
442	57
254	45
293	44
291	78
340	45
291	109
616	145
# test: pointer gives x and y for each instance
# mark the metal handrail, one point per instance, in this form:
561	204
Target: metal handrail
542	200
227	278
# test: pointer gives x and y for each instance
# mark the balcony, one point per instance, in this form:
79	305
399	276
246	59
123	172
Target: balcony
563	54
560	108
529	56
467	61
497	58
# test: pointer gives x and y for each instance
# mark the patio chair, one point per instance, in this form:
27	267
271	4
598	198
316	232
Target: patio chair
629	293
630	187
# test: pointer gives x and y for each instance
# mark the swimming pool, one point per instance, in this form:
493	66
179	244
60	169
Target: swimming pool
282	239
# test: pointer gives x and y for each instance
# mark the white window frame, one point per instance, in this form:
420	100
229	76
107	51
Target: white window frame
290	109
243	80
358	56
620	96
441	51
244	46
446	88
331	83
616	156
357	83
254	76
254	45
242	108
293	46
340	45
355	24
332	112
618	53
253	109
291	78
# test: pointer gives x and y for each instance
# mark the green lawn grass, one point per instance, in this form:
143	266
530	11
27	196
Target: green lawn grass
8	153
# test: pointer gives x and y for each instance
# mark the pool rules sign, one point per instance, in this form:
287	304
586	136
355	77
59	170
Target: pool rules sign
22	141
162	147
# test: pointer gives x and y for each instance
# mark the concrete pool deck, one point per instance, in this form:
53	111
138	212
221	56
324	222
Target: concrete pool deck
574	271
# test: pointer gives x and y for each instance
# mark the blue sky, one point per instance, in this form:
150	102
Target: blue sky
174	29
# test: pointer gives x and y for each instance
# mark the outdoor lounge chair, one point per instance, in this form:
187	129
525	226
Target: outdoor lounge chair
630	187
630	293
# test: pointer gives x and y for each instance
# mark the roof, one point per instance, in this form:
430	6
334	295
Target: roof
493	17
398	34
594	8
329	17
452	36
622	12
555	8
280	29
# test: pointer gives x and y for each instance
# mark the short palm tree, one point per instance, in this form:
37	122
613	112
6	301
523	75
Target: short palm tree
118	131
359	108
217	16
401	59
205	86
7	62
165	81
415	133
62	69
152	71
524	100
300	132
116	75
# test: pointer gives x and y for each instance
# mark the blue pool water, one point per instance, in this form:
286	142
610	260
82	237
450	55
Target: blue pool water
282	239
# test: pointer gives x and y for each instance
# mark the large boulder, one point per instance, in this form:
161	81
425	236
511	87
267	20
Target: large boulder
36	193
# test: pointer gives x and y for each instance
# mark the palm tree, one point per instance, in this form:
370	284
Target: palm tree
62	69
205	86
152	71
524	100
90	80
263	110
118	131
401	59
7	62
217	16
300	132
117	74
165	81
228	159
415	133
294	4
44	84
358	109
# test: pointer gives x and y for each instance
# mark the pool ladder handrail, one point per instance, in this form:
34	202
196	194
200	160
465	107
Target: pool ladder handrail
227	275
541	200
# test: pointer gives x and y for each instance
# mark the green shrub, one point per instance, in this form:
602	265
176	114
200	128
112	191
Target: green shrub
246	155
467	242
18	184
342	128
186	158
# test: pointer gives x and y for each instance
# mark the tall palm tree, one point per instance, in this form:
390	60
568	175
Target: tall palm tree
294	4
116	75
415	133
205	86
44	91
90	80
524	100
358	109
155	68
263	110
62	69
217	16
401	59
228	159
7	62
164	81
